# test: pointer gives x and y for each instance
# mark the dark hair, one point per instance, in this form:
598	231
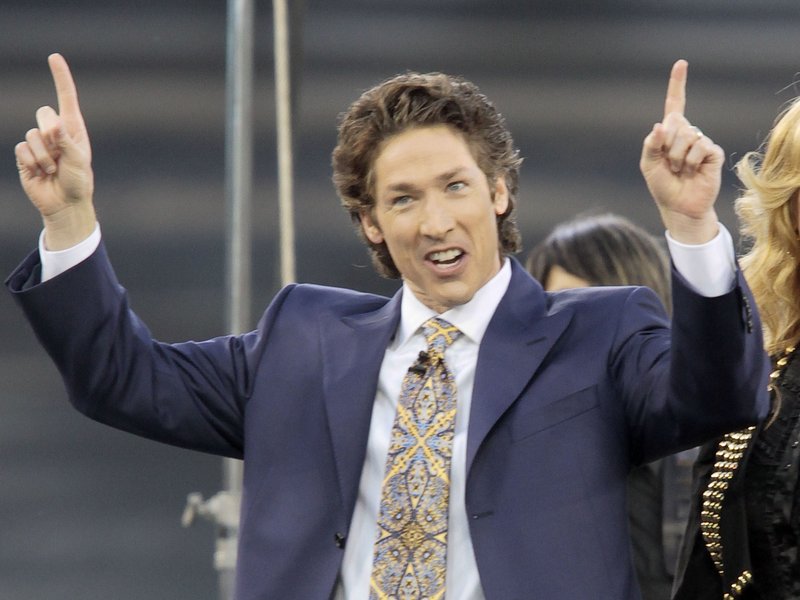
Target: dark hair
604	250
418	100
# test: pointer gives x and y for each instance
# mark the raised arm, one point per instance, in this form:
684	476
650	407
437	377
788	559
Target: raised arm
682	168
55	165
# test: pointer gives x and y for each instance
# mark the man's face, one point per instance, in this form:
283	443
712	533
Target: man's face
435	211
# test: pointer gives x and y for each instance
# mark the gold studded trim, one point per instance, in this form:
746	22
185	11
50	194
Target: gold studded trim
729	455
737	587
782	362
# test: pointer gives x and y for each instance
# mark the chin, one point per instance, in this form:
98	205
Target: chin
455	300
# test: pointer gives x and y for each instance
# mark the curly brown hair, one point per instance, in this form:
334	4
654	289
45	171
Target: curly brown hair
419	100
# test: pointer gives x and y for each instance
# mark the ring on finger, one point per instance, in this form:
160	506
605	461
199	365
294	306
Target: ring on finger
698	131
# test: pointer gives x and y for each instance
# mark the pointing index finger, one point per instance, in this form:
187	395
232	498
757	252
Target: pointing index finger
676	90
67	94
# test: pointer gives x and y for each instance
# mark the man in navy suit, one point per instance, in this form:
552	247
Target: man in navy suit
558	395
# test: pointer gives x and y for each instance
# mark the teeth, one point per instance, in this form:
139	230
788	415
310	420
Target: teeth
445	255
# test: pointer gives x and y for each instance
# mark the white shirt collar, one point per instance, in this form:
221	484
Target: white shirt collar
471	318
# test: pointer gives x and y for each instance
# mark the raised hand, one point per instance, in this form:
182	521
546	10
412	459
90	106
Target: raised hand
55	164
682	168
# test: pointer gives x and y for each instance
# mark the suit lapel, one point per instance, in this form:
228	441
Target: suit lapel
353	350
518	338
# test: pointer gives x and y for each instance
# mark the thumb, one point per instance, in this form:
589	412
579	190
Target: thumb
653	146
74	171
61	139
68	149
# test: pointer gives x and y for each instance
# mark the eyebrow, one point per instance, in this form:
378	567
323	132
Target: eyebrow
443	178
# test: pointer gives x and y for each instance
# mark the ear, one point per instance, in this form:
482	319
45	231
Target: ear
371	229
500	200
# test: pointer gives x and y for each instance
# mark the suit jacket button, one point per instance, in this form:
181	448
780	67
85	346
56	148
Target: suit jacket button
339	538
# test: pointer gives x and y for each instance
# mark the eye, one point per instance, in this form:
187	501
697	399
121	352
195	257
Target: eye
456	186
400	200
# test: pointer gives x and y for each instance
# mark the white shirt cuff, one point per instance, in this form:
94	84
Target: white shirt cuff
710	268
56	262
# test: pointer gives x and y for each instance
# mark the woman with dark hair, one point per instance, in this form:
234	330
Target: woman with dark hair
608	249
743	536
605	249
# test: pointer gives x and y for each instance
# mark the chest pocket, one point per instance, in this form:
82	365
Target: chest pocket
550	415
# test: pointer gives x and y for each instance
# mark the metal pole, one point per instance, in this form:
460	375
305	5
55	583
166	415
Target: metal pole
283	106
223	507
239	183
239	161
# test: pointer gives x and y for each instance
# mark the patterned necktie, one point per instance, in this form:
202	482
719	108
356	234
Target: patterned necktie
410	559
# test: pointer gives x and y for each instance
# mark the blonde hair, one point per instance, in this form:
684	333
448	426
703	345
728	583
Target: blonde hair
767	210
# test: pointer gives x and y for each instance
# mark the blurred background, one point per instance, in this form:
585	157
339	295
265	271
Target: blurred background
90	513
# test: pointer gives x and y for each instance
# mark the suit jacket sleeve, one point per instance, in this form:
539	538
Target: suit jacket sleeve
715	379
190	394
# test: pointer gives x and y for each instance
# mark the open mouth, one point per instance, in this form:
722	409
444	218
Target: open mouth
446	258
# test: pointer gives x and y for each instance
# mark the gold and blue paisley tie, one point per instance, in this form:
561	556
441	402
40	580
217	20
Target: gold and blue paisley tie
410	559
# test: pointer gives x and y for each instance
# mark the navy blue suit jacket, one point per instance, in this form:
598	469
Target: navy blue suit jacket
571	389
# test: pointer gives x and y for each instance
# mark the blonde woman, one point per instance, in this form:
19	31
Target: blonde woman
742	539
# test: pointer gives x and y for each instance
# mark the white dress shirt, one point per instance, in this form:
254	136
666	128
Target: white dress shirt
709	268
472	319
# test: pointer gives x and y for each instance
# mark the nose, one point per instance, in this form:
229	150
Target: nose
436	218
